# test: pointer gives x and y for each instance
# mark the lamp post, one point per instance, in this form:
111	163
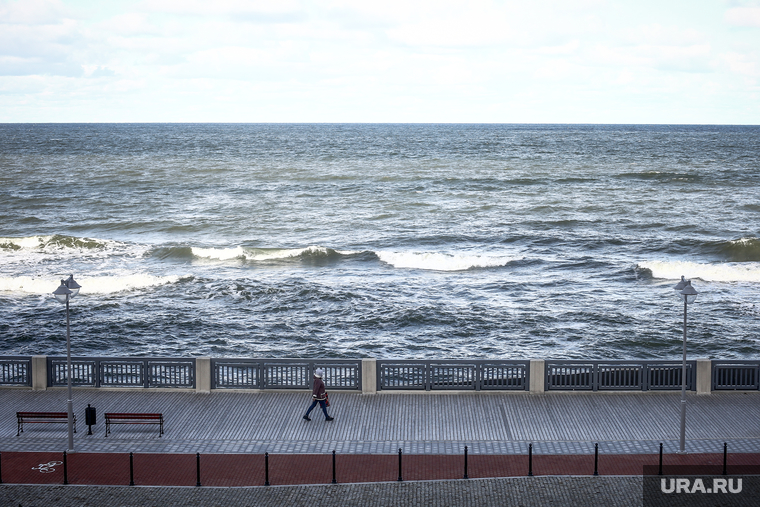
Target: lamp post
688	294
67	290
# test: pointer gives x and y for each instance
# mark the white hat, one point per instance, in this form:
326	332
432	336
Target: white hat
319	373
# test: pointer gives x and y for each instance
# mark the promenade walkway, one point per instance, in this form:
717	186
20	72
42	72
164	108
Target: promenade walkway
232	430
488	423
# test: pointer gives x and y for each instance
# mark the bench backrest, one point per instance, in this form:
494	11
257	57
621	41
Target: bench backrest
42	415
121	415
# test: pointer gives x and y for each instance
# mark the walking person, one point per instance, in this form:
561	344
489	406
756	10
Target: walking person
319	395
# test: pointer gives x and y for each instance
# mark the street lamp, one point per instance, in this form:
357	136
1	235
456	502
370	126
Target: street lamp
67	290
689	295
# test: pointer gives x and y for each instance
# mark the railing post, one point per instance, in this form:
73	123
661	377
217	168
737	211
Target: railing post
334	481
369	375
530	460
65	469
596	459
537	379
131	470
725	457
399	466
39	373
660	472
465	462
203	378
197	469
266	469
704	376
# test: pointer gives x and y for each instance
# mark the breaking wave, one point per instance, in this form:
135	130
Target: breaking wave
90	285
442	261
672	270
267	254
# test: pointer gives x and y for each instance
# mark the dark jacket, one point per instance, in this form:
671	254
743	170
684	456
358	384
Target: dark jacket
318	393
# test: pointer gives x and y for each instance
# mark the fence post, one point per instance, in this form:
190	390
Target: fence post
203	378
596	459
39	373
465	462
704	376
399	465
369	375
660	472
334	481
65	469
197	469
530	460
131	470
266	469
725	457
537	380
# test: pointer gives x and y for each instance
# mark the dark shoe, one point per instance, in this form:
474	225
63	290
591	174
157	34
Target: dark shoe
307	418
329	418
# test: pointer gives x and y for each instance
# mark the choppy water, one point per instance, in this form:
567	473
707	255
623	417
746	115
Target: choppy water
413	241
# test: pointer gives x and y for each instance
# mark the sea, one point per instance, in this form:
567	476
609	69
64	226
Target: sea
408	241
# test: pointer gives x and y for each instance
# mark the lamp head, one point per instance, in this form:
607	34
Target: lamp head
73	286
680	285
62	293
689	293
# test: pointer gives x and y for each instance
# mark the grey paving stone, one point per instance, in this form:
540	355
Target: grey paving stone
524	491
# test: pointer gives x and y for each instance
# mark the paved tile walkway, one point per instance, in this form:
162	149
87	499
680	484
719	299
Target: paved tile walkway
511	492
488	423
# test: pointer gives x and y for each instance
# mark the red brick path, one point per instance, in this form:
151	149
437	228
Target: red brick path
284	469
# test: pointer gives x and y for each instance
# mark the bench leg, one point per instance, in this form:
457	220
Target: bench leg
20	428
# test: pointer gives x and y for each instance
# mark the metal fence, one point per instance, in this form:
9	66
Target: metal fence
617	375
339	374
454	374
735	375
16	371
122	372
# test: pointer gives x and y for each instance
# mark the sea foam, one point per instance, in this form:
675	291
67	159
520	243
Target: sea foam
728	272
442	261
90	285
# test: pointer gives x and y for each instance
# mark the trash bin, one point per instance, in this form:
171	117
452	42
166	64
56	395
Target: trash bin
89	418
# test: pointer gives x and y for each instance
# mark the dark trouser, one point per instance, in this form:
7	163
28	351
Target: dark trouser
321	404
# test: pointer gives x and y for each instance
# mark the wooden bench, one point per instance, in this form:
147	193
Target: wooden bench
42	417
129	418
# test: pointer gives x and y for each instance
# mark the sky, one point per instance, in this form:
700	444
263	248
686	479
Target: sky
366	61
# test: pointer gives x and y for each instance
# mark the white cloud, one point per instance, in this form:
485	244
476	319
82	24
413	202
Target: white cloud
743	16
33	12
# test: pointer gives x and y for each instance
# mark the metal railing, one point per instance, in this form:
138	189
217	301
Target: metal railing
617	375
339	374
346	374
16	371
453	374
122	372
736	375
